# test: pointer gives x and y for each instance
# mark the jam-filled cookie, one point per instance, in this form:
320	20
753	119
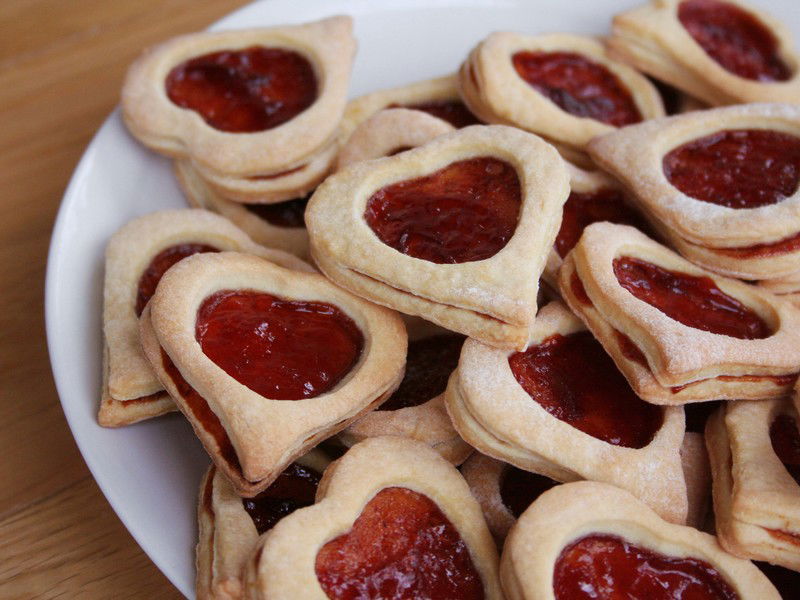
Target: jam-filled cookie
719	51
456	231
389	132
246	103
229	525
136	258
266	362
787	287
755	459
278	225
721	185
416	408
677	332
439	98
562	87
560	408
393	519
593	540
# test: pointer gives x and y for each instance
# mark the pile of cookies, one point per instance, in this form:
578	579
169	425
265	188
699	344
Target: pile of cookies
502	334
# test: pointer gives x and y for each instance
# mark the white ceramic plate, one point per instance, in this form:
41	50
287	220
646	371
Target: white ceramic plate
150	472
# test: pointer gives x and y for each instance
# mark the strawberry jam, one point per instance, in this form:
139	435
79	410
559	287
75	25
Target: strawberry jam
241	91
518	488
400	547
428	366
606	566
290	213
281	349
454	112
784	246
295	488
577	85
160	265
734	38
737	168
574	380
786	443
695	301
583	209
465	212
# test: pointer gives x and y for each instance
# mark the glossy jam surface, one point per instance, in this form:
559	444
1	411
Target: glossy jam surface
518	488
295	488
786	443
454	112
465	212
784	246
786	581
241	91
574	380
694	301
583	209
290	213
608	567
579	86
202	412
428	366
736	168
160	265
400	547
734	38
281	349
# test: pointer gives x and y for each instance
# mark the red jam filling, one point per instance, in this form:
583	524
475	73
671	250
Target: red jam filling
454	112
583	209
400	547
160	265
784	381
734	38
694	301
465	212
242	91
281	349
428	366
290	213
785	581
518	488
736	168
786	443
574	380
202	412
577	85
606	566
784	246
295	488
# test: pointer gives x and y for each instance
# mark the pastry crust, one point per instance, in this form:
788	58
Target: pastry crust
388	131
495	92
572	511
227	534
283	564
200	195
493	412
652	39
787	287
165	127
427	422
703	231
494	299
753	491
127	374
683	364
266	435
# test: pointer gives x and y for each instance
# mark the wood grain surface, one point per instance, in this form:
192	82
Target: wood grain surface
61	66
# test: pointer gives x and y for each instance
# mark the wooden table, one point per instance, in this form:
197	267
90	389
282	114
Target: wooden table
61	66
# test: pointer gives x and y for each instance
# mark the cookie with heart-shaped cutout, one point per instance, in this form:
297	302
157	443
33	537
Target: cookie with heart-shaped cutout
393	519
266	362
136	257
595	540
255	102
456	231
